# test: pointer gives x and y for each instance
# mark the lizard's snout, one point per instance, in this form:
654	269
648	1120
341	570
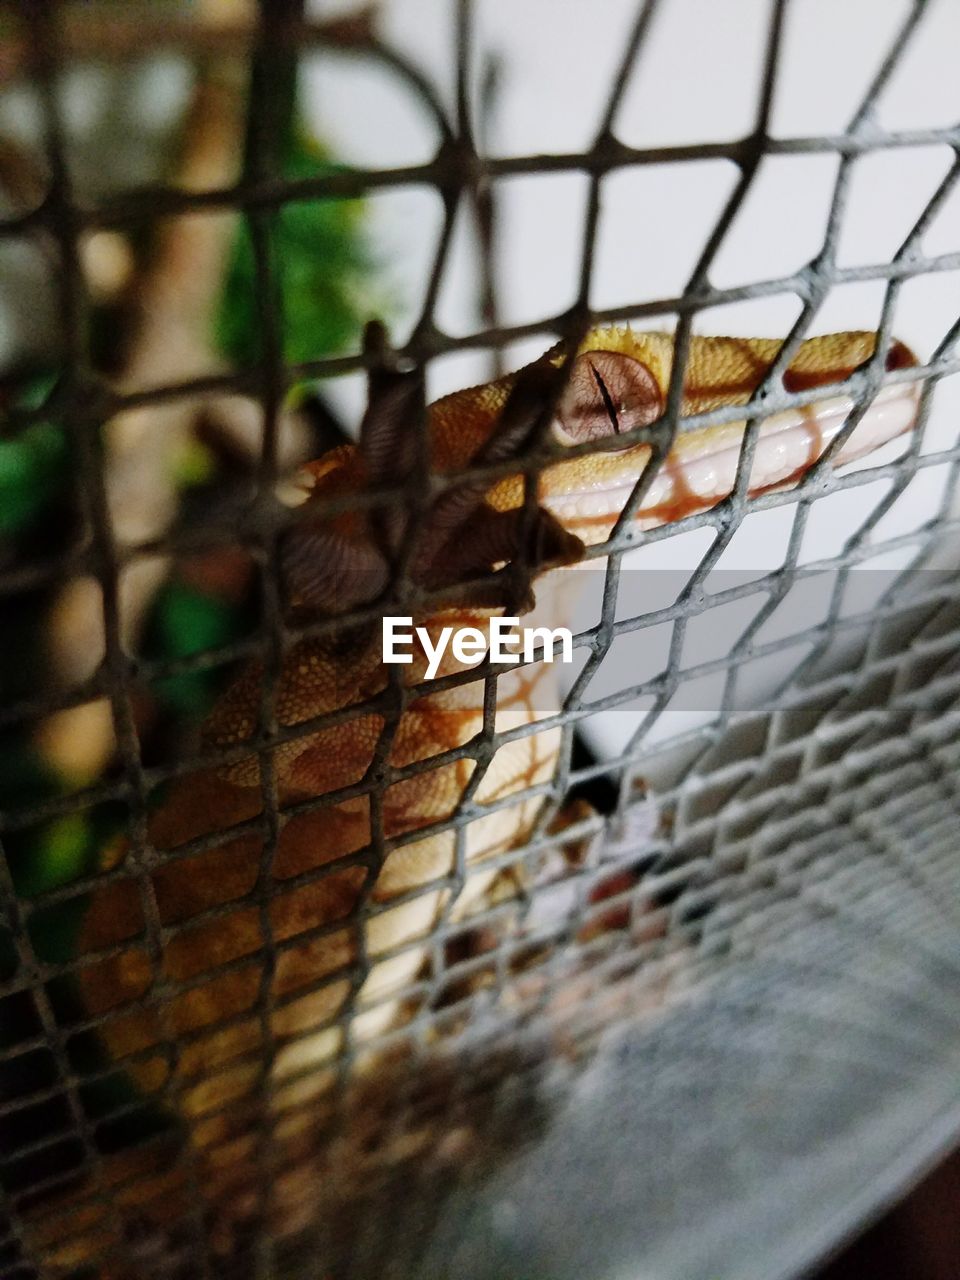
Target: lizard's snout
802	375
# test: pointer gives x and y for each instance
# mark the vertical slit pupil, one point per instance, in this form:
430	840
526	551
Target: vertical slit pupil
606	397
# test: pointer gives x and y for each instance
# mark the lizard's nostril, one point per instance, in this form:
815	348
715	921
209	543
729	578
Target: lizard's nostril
900	356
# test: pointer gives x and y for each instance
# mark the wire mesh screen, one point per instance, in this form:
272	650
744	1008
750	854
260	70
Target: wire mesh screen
644	964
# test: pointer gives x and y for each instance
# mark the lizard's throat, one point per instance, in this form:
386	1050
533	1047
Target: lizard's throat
701	469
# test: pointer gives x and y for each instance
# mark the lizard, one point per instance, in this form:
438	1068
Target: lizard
324	863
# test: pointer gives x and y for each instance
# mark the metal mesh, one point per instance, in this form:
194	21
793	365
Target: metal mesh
716	1032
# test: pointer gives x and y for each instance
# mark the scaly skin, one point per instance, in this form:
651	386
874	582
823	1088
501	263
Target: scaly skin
212	960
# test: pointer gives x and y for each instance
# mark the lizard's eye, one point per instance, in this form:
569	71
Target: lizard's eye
608	393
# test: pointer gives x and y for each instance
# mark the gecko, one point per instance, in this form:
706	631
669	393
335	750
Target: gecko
328	959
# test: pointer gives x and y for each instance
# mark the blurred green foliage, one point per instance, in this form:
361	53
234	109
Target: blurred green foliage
185	621
33	463
322	268
49	854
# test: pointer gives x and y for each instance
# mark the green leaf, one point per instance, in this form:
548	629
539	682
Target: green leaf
62	852
321	265
185	621
33	463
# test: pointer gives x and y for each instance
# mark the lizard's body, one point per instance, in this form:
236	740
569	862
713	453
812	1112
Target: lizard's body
212	961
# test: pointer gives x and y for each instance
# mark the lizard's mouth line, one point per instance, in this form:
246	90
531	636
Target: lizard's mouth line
703	469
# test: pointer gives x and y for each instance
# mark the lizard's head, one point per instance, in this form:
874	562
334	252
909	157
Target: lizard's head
619	382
